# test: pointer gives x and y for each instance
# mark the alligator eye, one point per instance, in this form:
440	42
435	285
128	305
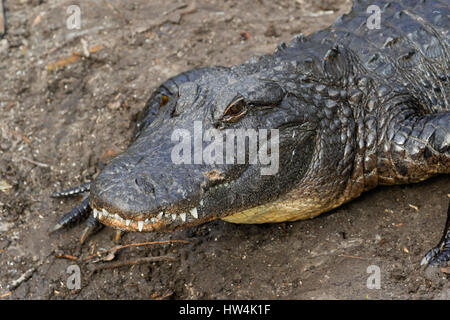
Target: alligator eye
164	100
235	110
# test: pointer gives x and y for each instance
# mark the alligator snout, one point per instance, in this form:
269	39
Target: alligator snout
144	198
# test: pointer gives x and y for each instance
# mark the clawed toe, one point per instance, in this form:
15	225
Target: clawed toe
92	226
86	187
81	211
75	215
440	255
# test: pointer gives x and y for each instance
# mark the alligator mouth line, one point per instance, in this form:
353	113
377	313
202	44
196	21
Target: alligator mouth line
158	222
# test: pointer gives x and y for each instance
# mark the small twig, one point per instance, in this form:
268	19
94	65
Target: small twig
146	243
2	19
175	8
94	245
171	16
191	8
112	252
24	277
5	294
113	265
67	256
21	135
39	164
73	58
116	12
92	256
168	294
352	257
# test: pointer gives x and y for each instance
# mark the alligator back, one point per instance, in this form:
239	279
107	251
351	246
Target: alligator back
408	50
411	46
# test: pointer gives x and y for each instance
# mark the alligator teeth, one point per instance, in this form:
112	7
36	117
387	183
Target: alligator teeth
99	213
127	222
153	220
174	216
194	213
183	216
160	215
201	202
117	217
104	212
140	225
95	213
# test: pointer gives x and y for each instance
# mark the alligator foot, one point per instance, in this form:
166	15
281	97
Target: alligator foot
440	255
81	211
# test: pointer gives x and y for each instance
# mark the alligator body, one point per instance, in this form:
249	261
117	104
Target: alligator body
345	109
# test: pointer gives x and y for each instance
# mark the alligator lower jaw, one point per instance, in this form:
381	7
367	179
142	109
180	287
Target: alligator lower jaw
160	222
117	222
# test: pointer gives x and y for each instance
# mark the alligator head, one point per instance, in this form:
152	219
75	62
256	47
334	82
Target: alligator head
217	143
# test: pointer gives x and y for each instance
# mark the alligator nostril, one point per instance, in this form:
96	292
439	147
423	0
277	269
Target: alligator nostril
143	183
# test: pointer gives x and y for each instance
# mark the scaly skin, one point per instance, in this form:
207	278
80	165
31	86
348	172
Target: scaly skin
354	108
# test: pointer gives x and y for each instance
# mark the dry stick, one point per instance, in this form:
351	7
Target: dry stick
2	19
67	256
24	277
168	294
112	252
113	265
168	15
73	58
92	256
147	243
116	12
175	8
39	164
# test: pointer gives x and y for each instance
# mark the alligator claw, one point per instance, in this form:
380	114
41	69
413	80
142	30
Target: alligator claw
429	256
74	215
85	187
92	226
440	255
81	211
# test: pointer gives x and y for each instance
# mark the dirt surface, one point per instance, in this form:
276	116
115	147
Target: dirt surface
62	115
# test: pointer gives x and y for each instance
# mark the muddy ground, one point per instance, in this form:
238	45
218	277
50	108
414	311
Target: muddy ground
62	115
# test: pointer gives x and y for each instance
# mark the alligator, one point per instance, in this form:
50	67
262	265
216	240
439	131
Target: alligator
362	103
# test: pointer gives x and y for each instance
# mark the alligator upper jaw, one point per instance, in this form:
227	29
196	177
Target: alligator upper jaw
158	222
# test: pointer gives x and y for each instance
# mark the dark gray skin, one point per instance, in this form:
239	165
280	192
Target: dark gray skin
355	108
